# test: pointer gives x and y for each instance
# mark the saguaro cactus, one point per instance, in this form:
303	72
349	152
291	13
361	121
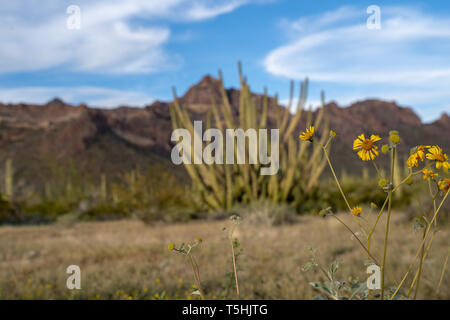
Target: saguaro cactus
222	185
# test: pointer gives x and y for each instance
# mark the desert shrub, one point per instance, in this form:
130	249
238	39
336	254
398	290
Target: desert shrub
9	212
103	211
154	194
151	194
266	213
363	191
46	211
169	214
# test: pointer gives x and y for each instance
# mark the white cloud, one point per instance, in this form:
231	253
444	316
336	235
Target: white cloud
316	22
406	60
108	41
349	53
199	11
93	96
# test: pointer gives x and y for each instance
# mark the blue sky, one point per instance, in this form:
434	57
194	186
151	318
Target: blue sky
133	52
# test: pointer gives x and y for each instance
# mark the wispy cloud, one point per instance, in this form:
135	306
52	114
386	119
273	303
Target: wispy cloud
407	59
201	11
108	42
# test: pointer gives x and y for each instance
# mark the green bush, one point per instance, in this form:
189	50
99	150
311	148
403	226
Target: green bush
361	191
154	194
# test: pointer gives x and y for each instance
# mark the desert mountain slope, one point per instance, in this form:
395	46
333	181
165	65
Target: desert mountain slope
116	140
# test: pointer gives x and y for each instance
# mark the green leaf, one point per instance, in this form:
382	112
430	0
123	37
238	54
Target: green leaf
307	266
333	268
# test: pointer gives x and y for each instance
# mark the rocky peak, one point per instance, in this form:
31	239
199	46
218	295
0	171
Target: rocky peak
55	102
444	119
202	92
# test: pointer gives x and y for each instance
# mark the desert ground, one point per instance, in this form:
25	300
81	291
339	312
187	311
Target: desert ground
128	259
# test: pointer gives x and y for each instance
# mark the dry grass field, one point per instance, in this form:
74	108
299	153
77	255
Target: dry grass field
130	260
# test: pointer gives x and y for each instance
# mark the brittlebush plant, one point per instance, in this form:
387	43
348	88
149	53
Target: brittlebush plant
429	162
186	250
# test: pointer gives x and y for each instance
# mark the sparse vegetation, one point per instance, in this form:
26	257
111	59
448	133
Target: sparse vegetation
129	260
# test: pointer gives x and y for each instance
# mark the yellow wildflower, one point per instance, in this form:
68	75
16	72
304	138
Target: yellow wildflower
367	149
413	161
428	174
421	152
308	135
198	239
417	154
356	211
435	153
171	246
332	134
444	184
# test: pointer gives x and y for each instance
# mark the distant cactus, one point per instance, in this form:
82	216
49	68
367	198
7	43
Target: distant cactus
9	182
223	185
103	188
47	191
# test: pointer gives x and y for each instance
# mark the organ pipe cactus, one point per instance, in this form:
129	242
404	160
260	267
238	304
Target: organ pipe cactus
223	185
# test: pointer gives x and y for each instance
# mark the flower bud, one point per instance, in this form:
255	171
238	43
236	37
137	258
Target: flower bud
382	183
385	148
395	138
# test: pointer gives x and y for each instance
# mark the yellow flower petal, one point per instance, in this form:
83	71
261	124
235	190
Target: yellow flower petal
375	138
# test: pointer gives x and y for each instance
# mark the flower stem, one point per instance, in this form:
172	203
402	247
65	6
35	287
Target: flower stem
336	179
423	259
442	273
434	199
196	275
420	265
376	168
369	237
423	241
356	237
234	267
387	223
424	254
